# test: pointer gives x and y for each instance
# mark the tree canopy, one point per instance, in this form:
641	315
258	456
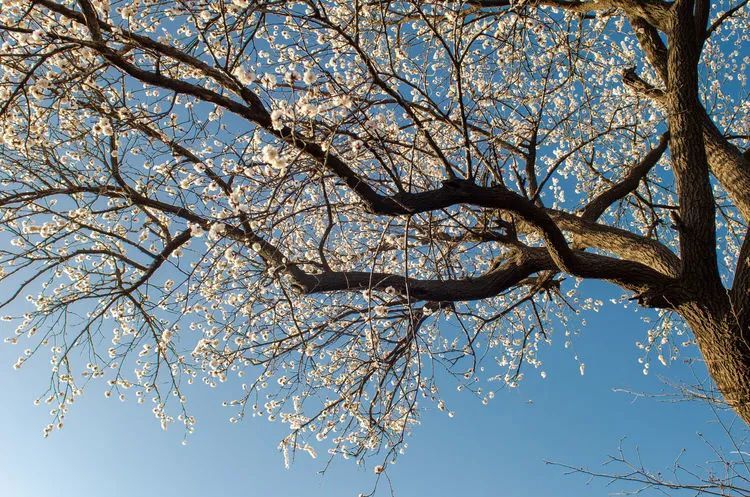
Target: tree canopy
337	205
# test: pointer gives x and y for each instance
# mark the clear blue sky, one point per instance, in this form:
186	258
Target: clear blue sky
109	448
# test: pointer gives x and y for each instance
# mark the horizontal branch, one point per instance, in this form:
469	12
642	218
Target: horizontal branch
485	286
655	12
524	263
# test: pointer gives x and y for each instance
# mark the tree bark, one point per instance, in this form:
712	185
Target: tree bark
725	345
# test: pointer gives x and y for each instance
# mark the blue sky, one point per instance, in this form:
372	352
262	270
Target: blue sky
115	449
109	448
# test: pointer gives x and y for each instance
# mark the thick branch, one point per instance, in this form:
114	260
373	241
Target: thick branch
697	210
623	243
655	12
741	285
631	275
627	184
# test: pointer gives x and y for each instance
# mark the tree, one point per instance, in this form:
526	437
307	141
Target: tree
347	201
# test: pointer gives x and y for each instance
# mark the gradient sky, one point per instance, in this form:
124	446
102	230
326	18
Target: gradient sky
109	448
114	449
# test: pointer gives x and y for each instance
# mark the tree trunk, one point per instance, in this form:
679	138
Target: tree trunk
724	342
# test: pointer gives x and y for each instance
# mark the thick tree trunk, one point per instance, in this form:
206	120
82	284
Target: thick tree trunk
724	343
721	333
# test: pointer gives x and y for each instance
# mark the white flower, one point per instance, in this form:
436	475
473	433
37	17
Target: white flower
196	230
344	101
103	127
271	155
276	122
309	78
216	231
236	196
244	76
291	76
309	110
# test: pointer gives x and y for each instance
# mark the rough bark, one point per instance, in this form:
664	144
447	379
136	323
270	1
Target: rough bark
721	336
728	166
696	203
725	345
